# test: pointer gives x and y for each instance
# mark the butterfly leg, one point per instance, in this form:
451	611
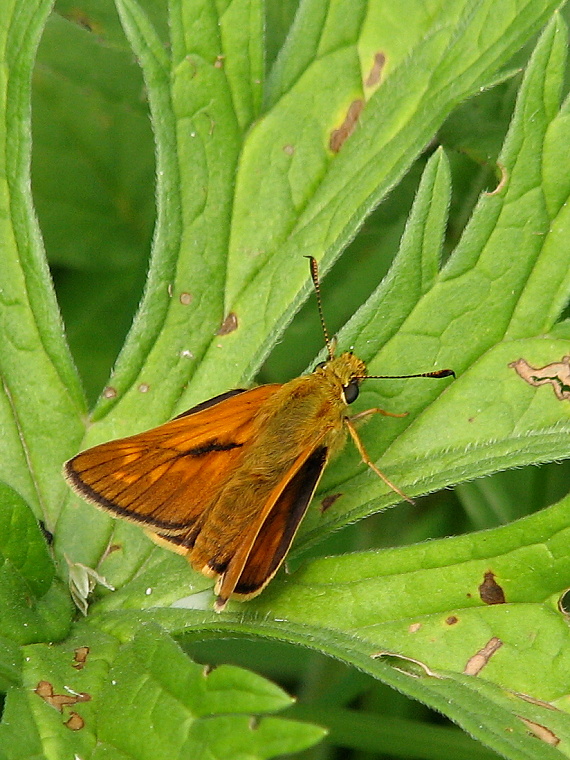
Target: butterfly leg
375	410
366	459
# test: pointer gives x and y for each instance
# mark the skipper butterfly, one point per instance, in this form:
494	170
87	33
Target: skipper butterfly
227	483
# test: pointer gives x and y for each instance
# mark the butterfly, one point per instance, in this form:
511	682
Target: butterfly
227	483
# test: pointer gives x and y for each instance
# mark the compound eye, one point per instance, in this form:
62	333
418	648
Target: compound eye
320	365
351	391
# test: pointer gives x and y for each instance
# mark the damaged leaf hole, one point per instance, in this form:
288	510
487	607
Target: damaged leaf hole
541	732
480	659
564	603
406	665
502	177
556	374
47	534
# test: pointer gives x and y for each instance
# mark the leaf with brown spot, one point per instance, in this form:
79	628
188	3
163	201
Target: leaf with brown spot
376	71
339	135
229	325
44	689
75	722
328	501
490	591
80	657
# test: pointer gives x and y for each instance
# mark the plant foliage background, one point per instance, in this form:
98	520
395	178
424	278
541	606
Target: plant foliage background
233	178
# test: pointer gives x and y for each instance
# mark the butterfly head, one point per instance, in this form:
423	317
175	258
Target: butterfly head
347	371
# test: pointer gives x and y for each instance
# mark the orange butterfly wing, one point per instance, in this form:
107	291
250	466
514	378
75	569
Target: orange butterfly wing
166	478
195	484
262	552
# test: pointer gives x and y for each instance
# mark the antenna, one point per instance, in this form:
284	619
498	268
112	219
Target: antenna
317	284
435	373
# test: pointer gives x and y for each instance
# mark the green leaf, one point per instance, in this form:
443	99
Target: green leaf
431	603
153	685
477	316
312	200
92	173
396	737
441	610
34	607
142	699
41	401
22	544
10	664
250	176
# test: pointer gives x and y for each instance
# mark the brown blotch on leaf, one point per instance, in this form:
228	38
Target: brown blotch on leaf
451	620
376	71
185	299
219	62
229	324
541	732
109	392
490	591
556	374
44	689
75	722
414	627
80	657
289	150
328	501
338	136
476	663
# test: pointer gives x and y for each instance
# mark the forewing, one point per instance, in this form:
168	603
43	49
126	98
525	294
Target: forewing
167	477
262	554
